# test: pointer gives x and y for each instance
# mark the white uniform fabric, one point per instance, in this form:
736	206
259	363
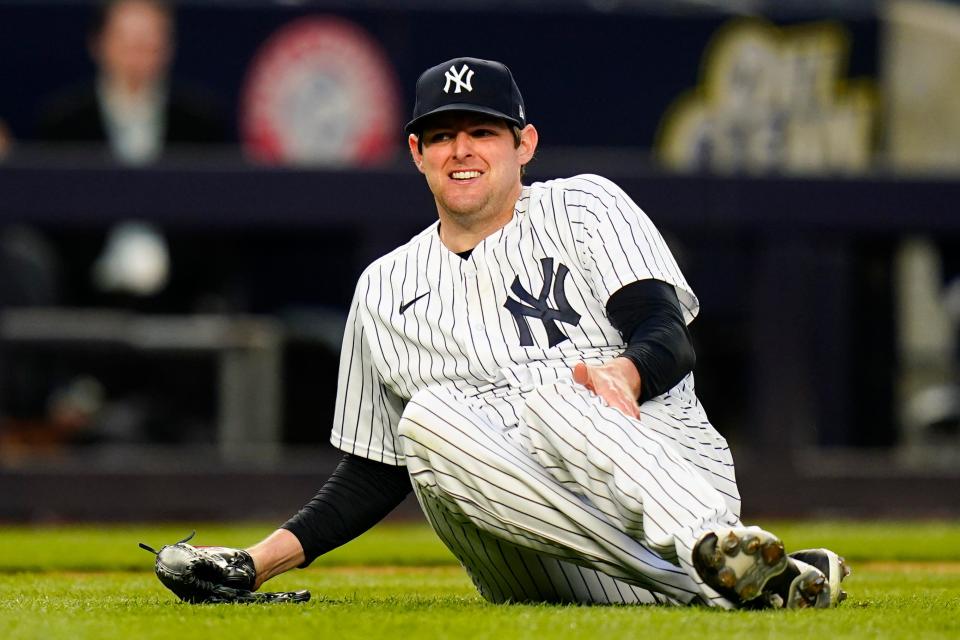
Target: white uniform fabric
460	369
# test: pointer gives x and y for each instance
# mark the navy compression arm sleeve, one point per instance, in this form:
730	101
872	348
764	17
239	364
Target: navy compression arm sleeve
647	314
357	496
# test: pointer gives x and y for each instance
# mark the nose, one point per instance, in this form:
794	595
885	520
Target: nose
462	145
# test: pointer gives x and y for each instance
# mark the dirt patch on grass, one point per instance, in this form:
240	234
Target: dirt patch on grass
390	570
893	566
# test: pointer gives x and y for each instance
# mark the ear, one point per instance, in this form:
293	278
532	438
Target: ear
412	141
528	143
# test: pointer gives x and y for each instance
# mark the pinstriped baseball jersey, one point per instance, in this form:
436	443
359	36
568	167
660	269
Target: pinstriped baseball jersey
527	305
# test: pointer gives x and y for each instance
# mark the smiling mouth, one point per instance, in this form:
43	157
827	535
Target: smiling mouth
465	175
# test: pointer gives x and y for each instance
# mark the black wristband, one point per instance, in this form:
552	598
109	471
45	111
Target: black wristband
358	495
647	314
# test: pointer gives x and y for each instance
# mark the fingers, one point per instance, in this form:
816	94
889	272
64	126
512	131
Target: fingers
604	383
581	375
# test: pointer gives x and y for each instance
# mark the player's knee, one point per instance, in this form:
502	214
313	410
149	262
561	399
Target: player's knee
420	424
544	402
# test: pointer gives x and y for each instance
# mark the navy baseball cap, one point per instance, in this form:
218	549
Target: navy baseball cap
468	84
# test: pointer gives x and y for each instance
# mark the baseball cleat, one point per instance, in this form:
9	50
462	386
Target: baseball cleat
833	567
808	588
738	563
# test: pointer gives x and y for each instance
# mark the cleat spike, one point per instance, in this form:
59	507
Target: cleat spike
730	544
727	577
749	591
751	545
772	553
841	596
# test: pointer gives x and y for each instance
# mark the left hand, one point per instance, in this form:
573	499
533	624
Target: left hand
213	575
616	381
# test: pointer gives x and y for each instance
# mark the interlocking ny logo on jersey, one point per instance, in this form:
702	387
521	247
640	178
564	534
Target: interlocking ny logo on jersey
538	307
457	77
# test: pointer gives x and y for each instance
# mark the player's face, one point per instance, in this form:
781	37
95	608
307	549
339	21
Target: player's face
472	165
136	44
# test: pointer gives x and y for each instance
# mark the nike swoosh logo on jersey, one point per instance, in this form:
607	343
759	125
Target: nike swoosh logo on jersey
406	305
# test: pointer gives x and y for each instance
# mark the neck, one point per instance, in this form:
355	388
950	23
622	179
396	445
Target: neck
460	232
128	87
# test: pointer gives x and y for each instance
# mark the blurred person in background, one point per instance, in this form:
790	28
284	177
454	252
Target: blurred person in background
133	106
134	112
6	140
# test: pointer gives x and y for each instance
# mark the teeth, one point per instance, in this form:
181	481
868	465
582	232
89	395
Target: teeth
464	175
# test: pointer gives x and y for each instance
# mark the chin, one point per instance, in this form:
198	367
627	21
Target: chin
463	209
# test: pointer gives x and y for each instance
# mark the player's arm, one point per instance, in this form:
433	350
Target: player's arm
659	351
358	495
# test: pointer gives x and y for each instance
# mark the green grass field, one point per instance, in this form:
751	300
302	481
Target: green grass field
399	582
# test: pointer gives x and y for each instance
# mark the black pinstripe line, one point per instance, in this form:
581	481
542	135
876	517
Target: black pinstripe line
644	434
474	535
467	554
443	260
460	479
541	541
616	205
597	496
493	524
699	451
414	252
616	233
498	567
598	241
477	259
560	250
656	459
469	329
495	310
523	464
616	585
558	564
689	460
582	256
390	333
426	314
594	577
683	429
376	334
489	568
342	401
647	494
531	584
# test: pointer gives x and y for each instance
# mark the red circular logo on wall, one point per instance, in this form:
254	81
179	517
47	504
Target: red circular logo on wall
320	91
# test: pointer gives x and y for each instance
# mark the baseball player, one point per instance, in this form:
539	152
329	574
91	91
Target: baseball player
524	364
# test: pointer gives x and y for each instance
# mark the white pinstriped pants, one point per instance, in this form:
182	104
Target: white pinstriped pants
577	503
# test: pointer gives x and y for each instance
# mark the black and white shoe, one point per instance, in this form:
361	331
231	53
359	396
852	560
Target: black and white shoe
738	563
833	567
811	580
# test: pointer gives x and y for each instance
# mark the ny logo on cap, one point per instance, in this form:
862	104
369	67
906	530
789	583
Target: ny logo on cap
457	77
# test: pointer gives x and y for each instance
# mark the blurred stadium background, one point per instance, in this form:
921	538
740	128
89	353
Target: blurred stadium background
171	306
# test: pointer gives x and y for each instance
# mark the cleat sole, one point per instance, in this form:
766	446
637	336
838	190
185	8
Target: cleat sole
739	563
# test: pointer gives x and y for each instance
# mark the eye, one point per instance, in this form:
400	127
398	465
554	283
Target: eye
438	136
483	133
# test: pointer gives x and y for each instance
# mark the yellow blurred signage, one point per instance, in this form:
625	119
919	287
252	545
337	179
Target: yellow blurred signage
772	99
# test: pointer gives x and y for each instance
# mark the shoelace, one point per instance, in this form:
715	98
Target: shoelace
147	547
